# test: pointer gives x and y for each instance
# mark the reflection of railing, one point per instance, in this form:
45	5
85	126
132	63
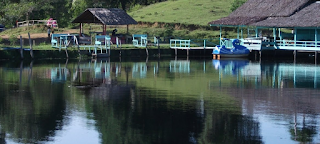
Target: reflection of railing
180	66
99	70
59	74
139	70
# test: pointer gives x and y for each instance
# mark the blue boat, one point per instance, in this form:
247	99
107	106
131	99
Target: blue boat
230	48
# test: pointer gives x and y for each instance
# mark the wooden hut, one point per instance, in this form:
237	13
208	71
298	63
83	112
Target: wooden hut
300	16
111	16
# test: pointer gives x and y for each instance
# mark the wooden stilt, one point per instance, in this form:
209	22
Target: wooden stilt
21	48
176	52
218	56
260	53
31	51
255	55
67	55
315	57
158	47
214	56
147	51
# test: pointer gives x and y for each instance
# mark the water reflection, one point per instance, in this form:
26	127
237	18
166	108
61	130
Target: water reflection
163	101
31	110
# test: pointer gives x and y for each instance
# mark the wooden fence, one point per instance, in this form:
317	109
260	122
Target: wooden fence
33	22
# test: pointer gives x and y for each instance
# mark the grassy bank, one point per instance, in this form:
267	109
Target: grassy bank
10	38
197	12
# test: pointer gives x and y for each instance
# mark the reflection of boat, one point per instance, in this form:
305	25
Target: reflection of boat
230	48
237	66
232	66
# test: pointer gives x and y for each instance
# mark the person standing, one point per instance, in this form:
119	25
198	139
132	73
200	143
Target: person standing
49	32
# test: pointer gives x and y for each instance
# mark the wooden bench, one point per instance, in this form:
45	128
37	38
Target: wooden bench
139	40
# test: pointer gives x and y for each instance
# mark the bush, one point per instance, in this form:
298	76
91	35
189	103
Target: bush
13	39
135	8
237	3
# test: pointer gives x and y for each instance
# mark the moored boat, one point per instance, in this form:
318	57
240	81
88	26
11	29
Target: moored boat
230	48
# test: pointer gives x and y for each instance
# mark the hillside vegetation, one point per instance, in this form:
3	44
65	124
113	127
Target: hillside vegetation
198	12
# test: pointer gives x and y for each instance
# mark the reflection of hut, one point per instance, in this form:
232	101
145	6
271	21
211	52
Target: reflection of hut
112	16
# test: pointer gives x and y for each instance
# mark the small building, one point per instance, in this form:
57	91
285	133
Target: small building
294	24
103	16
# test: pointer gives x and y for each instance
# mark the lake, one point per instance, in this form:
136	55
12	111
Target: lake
159	101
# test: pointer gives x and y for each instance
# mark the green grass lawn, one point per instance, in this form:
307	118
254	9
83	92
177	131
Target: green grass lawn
198	12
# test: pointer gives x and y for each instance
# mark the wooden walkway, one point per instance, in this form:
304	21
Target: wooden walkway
186	45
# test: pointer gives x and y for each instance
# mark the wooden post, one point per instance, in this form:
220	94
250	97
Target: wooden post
220	35
147	51
31	50
158	46
67	53
316	37
238	35
175	51
127	29
295	37
21	49
80	29
315	57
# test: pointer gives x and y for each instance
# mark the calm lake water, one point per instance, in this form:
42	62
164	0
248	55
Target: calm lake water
159	101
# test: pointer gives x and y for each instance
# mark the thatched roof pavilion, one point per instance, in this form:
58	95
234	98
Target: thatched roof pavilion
112	16
307	17
258	10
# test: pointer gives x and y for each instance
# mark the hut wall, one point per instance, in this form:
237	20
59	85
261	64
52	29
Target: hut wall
306	34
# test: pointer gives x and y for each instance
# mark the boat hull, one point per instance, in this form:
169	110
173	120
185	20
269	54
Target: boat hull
236	50
232	55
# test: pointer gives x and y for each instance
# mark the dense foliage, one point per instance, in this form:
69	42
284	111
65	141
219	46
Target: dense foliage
237	3
61	10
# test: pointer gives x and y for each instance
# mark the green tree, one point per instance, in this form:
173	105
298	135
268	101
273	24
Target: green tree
237	3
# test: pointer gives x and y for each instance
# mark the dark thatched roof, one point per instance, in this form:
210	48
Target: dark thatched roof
307	17
256	10
241	20
112	16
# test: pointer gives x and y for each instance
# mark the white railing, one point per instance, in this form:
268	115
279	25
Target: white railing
177	43
53	23
292	43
